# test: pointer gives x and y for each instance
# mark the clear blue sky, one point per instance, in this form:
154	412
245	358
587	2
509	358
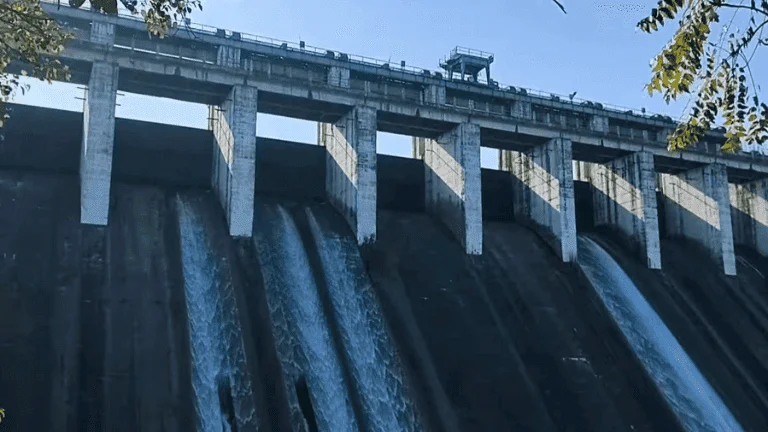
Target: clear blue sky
595	50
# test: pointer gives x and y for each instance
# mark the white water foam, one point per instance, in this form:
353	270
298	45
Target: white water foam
205	321
374	364
302	332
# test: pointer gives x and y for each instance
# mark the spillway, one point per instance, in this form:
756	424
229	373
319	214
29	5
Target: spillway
223	395
301	329
376	368
689	394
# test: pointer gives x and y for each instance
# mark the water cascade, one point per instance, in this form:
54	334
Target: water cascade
688	393
375	366
221	392
303	338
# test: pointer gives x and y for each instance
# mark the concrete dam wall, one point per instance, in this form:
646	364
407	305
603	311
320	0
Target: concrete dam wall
162	321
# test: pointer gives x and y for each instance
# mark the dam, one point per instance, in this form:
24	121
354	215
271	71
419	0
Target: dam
145	323
162	278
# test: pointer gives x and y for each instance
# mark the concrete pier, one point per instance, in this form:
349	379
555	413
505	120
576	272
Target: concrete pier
624	196
350	169
234	166
543	192
697	206
98	144
452	183
749	213
418	147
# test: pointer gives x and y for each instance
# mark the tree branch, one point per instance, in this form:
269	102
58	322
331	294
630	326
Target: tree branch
716	3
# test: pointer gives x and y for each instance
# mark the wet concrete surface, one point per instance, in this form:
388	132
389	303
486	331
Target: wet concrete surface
512	340
94	333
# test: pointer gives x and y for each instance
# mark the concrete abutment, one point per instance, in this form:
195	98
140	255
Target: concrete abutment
543	192
350	169
697	206
234	166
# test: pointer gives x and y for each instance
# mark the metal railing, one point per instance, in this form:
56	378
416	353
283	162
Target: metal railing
469	51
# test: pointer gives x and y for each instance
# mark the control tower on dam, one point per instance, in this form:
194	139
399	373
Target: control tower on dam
545	141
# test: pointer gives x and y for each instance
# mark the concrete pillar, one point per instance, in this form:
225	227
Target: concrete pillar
599	124
543	192
228	56
102	33
452	184
434	94
624	196
749	212
234	161
338	77
581	171
418	147
350	169
98	144
697	206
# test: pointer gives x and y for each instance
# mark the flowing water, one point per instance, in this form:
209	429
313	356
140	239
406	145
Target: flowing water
301	330
211	320
375	366
688	393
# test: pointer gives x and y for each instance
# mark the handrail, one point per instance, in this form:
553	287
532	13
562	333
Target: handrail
470	51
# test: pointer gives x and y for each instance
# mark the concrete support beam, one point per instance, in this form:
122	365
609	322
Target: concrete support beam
599	124
98	144
338	77
749	213
543	192
434	94
234	163
452	184
521	109
228	56
624	196
697	206
419	145
350	169
102	33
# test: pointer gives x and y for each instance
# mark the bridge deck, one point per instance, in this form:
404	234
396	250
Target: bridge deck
293	82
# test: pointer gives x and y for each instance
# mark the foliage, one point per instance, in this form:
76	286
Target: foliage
160	15
721	73
2	414
718	78
30	37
